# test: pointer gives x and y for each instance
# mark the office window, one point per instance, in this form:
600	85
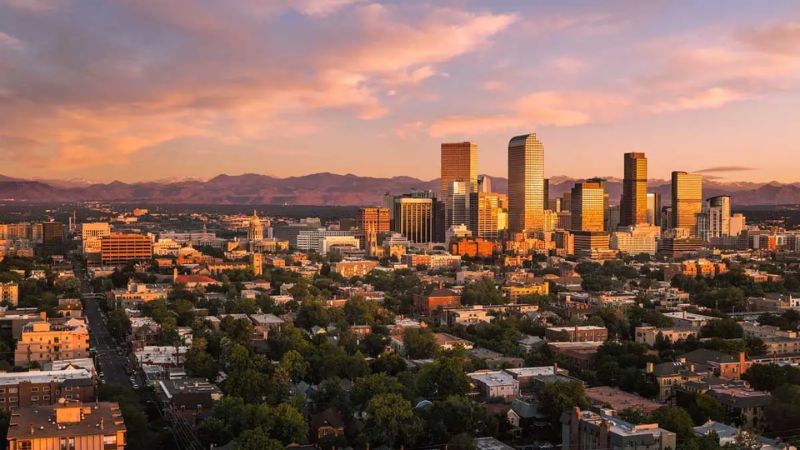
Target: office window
34	398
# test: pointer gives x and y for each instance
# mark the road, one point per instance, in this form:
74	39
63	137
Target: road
111	364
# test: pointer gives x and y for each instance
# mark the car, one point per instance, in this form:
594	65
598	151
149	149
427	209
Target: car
135	386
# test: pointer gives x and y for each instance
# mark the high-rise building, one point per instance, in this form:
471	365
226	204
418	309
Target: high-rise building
92	234
654	208
484	183
414	218
121	248
612	218
52	238
719	216
687	200
525	183
487	214
546	204
459	163
373	222
633	207
457	207
588	213
737	224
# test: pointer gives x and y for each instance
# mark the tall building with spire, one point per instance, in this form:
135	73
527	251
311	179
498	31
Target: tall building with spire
525	184
255	231
633	207
687	200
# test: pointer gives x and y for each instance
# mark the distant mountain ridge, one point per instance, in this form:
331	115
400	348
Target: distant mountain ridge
329	189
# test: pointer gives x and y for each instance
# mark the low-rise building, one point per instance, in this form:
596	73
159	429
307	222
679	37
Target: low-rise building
41	341
648	334
354	267
495	384
45	387
586	430
189	397
9	293
744	403
69	425
586	333
515	292
687	319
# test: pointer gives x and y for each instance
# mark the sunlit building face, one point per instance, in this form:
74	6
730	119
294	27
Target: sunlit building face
525	183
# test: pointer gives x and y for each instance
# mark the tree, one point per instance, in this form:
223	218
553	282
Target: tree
257	439
419	343
118	323
199	363
288	424
391	421
372	385
294	365
675	419
482	292
722	328
443	378
783	414
765	377
557	397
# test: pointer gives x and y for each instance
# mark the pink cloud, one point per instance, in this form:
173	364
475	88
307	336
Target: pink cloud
547	108
710	98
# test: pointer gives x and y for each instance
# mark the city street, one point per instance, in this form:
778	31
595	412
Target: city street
111	364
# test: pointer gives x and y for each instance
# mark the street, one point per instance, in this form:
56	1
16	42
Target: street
109	362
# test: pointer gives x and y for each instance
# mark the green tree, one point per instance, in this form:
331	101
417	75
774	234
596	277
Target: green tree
257	439
391	421
288	424
482	292
443	378
419	343
555	398
675	419
199	363
118	323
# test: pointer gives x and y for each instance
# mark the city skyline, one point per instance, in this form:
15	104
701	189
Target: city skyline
193	92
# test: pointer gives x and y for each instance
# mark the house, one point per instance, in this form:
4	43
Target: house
720	364
495	360
670	375
528	343
435	298
326	424
525	416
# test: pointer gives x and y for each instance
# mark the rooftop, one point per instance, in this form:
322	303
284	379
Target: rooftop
493	378
620	400
40	421
43	376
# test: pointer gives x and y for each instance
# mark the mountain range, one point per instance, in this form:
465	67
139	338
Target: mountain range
329	189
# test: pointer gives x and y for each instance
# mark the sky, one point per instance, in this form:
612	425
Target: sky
137	90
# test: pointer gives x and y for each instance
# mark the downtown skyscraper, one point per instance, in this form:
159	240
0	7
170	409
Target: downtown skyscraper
525	184
459	163
633	207
459	178
687	200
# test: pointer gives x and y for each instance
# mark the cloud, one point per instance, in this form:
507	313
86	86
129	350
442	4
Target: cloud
181	69
9	41
720	169
780	39
709	98
546	108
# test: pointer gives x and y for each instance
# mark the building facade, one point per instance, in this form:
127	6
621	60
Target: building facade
633	207
525	184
